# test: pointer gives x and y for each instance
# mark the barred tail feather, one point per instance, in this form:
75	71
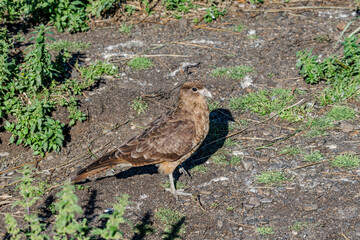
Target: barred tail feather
100	165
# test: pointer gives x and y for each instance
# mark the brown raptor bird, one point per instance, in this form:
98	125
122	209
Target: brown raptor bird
168	141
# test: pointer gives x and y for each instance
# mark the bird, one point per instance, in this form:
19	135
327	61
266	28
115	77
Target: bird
166	142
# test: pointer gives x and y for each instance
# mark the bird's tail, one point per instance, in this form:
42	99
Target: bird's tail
100	165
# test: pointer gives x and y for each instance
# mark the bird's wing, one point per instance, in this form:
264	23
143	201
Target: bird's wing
167	139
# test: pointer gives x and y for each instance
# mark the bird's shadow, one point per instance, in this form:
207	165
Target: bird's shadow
218	130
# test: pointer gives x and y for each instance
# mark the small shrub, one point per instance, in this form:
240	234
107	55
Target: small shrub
139	105
140	63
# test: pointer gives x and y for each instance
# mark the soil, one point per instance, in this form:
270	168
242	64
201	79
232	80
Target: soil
227	202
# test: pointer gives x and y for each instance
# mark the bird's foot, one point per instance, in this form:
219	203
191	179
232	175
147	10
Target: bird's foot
179	192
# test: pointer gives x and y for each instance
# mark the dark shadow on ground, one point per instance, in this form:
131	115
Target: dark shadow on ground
219	129
144	228
175	229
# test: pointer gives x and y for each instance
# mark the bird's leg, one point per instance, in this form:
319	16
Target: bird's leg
173	190
184	171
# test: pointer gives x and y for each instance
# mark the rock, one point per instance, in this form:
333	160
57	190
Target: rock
217	194
254	201
346	126
341	26
266	200
248	206
4	154
205	192
220	224
310	207
246	164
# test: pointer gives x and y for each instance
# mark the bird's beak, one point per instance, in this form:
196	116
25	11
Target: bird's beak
205	93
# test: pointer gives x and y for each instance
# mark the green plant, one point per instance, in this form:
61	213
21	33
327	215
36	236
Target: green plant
67	15
169	218
213	13
213	105
139	105
235	160
340	73
68	46
220	159
140	63
271	101
315	156
65	225
318	126
265	230
291	151
179	5
65	210
346	161
125	28
338	113
271	177
29	193
240	28
236	73
299	226
111	230
199	169
99	7
98	69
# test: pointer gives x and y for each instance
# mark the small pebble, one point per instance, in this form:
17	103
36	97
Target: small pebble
310	207
254	201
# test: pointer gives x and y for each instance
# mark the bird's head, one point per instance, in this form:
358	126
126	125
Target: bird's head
194	90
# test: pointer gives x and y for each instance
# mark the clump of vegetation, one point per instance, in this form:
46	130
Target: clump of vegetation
30	92
340	73
65	209
236	73
170	218
265	230
346	161
291	151
140	63
270	178
318	125
125	28
139	105
338	113
68	46
271	101
213	13
299	226
315	156
199	169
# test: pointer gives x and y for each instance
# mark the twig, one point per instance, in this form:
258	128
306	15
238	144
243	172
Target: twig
218	29
201	46
36	161
345	174
239	224
307	165
345	236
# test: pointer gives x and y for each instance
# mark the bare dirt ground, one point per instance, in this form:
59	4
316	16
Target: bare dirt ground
228	203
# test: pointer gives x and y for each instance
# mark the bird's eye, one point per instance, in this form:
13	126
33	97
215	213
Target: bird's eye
194	89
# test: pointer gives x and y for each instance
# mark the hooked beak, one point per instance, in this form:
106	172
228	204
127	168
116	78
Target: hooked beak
205	93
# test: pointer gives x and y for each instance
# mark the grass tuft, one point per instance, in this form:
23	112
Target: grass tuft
235	73
140	63
271	178
346	161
